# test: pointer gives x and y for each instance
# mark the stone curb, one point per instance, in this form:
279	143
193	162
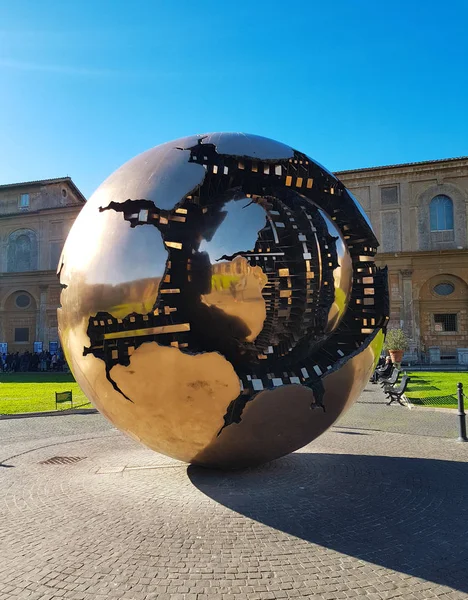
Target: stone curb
51	413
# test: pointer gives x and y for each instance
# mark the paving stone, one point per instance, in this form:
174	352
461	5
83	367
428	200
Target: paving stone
375	508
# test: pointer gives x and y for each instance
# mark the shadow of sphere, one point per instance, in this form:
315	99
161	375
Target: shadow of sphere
404	514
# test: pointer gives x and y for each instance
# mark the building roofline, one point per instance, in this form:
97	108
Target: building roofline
46	182
401	165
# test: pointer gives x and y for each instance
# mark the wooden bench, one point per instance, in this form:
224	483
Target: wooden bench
381	373
395	393
61	397
390	381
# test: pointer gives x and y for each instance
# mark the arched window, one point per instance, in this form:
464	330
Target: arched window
22	251
441	210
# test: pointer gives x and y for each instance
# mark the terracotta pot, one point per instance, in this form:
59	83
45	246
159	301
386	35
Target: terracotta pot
396	356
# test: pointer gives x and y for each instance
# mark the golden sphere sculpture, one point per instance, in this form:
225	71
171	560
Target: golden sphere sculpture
220	301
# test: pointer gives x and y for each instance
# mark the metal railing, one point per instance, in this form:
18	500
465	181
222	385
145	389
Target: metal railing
461	414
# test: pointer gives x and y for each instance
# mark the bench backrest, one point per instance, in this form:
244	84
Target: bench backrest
403	384
394	376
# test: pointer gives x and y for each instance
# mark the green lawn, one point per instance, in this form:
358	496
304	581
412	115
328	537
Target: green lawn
35	392
436	389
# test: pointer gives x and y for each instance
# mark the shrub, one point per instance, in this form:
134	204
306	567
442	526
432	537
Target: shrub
396	339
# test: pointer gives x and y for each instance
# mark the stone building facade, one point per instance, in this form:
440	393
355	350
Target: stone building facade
419	214
418	211
35	218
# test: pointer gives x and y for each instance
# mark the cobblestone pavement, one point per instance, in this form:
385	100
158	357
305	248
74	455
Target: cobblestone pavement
361	512
370	412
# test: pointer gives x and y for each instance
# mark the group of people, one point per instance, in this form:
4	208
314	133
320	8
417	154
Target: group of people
14	362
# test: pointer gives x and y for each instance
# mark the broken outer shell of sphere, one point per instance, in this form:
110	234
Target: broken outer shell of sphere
220	301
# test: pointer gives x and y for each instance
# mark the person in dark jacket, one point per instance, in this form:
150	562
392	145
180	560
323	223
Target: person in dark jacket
383	371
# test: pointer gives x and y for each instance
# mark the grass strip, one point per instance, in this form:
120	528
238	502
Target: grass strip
35	392
435	388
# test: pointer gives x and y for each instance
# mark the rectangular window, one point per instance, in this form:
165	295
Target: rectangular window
56	230
21	334
55	251
445	322
390	236
389	195
24	201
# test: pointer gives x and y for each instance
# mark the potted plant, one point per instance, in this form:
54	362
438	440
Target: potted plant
396	343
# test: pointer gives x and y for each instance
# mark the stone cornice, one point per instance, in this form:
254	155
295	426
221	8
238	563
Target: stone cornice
29	274
391	171
44	182
422	253
75	208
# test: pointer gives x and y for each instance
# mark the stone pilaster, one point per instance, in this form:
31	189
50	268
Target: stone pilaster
41	315
408	305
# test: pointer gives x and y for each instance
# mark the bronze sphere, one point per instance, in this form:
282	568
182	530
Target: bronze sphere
220	301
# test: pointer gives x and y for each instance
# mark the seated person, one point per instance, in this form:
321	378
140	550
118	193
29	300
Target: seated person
383	371
382	360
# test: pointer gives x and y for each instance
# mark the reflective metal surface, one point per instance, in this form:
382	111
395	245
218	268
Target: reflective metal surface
219	299
342	275
248	145
294	418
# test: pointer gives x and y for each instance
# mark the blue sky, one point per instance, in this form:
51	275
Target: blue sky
87	85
